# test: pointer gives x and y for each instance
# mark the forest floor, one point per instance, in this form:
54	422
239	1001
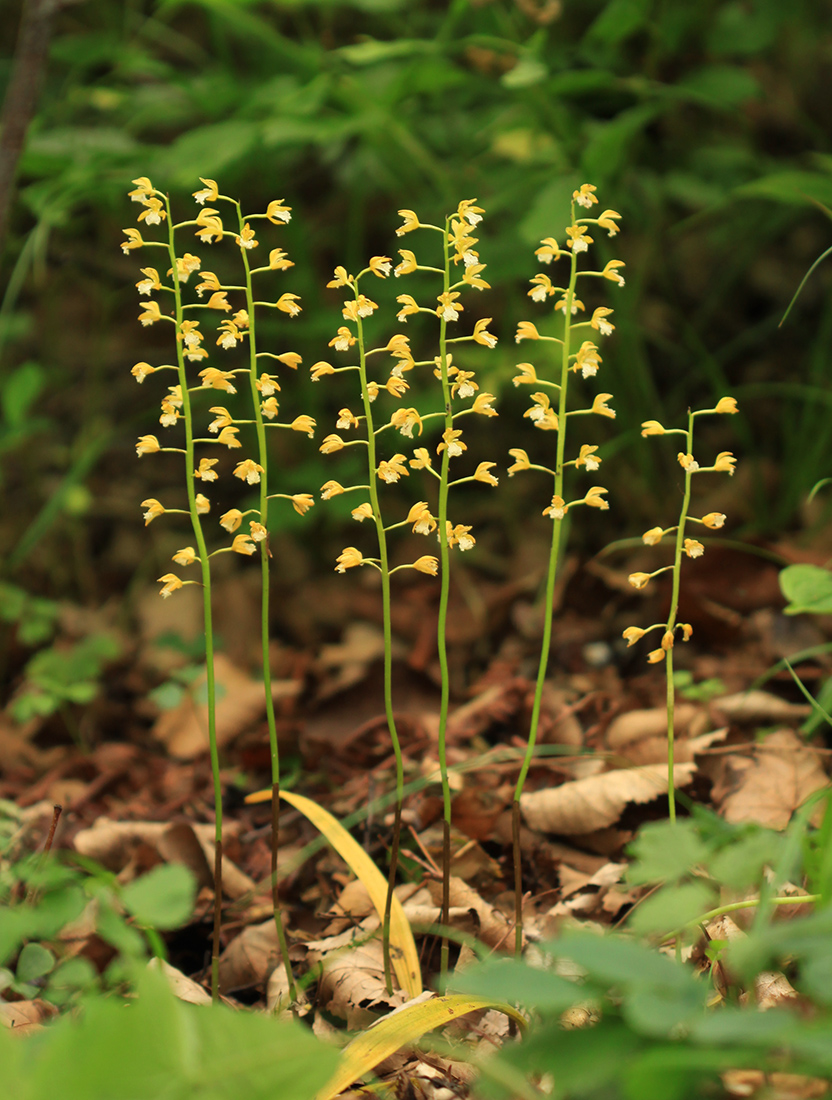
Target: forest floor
135	785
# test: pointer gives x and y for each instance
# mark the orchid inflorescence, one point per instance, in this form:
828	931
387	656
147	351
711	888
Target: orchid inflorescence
684	546
458	384
224	426
549	412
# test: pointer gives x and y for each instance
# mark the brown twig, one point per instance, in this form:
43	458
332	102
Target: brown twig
57	809
22	94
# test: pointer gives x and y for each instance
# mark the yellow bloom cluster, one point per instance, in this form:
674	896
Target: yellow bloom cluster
692	548
233	330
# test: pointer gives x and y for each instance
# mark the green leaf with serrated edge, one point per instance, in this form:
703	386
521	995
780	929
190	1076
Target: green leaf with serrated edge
617	959
741	863
671	907
517	982
665	851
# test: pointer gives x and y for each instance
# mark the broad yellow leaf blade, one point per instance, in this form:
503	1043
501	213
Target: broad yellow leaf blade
401	1028
403	954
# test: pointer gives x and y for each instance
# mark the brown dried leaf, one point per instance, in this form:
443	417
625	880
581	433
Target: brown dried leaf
113	843
759	706
25	1016
183	987
241	702
494	929
250	958
585	805
769	786
638	725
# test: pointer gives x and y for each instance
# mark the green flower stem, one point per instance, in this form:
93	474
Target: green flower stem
265	589
441	642
384	569
554	553
735	906
208	625
671	626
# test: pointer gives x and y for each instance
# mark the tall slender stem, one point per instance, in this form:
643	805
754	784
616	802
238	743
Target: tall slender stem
671	626
384	565
265	589
441	641
551	575
205	565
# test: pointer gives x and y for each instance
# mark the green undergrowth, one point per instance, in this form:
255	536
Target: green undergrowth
612	1013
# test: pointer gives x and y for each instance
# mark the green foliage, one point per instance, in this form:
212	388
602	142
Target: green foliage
33	960
350	110
34	616
808	588
153	1045
61	674
616	1017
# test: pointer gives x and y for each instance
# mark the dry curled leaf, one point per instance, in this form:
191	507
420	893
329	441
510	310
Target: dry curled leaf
585	805
768	786
240	702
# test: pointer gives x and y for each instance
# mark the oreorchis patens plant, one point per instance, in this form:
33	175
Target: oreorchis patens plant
351	337
457	384
552	414
461	270
223	430
692	548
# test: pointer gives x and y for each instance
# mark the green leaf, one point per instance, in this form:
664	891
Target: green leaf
156	1046
808	588
167	696
725	86
741	864
371	51
618	20
791	186
528	71
609	143
163	898
671	907
34	962
517	982
659	1011
618	960
665	852
20	390
550	210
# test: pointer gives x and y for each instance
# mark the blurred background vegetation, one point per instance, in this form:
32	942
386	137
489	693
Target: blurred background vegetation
705	124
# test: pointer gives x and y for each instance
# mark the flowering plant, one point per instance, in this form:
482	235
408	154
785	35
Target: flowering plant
549	417
178	406
683	546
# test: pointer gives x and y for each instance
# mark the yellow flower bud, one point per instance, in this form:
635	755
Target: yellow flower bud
427	564
652	427
171	583
231	520
187	556
331	489
639	580
653	536
348	559
154	509
242	544
714	520
727	405
633	634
